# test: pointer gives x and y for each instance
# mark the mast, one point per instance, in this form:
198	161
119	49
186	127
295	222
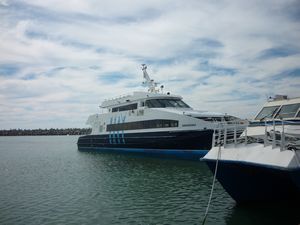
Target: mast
149	82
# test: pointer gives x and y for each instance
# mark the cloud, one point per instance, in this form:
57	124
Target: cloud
275	52
3	3
59	60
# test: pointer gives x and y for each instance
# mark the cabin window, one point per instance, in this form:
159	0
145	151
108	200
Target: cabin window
288	111
164	103
147	124
267	112
125	108
218	119
211	119
298	115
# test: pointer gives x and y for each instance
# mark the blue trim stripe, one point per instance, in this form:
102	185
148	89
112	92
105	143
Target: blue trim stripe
123	138
172	153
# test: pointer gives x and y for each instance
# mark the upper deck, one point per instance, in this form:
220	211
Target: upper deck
136	97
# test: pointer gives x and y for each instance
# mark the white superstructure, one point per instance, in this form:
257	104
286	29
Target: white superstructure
276	109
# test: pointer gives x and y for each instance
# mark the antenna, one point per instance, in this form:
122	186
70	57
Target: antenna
150	83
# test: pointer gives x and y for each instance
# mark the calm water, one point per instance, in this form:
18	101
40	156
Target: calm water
45	180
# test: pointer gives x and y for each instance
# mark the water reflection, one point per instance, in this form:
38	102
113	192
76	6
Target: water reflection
143	189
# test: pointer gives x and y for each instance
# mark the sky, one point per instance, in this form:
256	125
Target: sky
60	59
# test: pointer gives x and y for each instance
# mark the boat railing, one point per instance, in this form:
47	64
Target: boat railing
118	97
274	135
228	132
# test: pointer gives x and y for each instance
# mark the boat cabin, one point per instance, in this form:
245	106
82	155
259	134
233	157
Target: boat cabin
280	107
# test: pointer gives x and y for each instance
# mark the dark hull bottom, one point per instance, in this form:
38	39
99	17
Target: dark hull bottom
252	183
181	144
165	153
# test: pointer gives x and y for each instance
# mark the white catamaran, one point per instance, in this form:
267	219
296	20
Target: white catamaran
153	122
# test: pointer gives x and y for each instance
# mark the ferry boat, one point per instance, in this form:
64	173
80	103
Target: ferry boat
153	122
261	168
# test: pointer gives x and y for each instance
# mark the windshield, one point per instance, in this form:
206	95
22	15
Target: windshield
163	103
267	112
288	111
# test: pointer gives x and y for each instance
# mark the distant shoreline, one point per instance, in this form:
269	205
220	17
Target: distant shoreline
39	132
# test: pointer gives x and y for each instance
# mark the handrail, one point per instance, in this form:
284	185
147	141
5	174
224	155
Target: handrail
274	134
228	132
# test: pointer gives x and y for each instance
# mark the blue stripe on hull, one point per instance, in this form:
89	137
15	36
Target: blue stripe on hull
253	183
169	153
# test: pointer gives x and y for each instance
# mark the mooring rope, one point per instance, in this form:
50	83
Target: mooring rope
213	184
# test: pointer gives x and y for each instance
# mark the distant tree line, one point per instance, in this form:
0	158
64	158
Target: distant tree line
52	131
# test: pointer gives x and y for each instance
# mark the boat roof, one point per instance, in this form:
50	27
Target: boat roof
136	96
282	100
